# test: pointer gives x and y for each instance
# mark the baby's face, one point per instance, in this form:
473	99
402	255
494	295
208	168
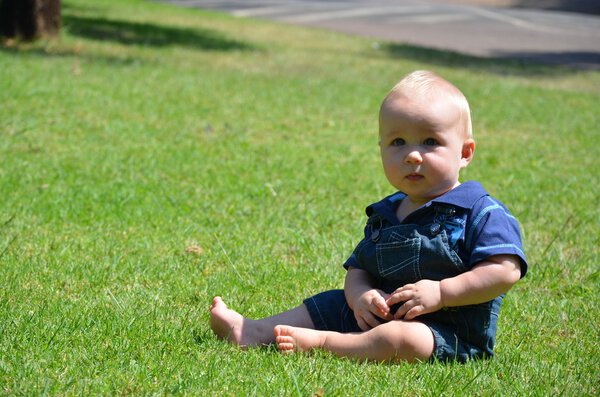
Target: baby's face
423	145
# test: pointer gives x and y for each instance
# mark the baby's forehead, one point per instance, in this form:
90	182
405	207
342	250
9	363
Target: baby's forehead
402	101
433	88
432	112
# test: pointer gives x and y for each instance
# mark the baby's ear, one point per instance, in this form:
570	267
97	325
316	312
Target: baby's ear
468	150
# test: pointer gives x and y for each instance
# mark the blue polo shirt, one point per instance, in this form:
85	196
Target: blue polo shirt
477	225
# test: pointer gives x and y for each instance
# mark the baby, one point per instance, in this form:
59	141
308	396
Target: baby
437	257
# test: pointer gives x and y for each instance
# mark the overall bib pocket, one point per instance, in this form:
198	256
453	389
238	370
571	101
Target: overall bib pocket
405	255
398	258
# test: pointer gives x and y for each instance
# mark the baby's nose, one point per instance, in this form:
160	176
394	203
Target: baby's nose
414	157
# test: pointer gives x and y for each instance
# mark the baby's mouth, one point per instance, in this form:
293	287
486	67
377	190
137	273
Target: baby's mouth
413	176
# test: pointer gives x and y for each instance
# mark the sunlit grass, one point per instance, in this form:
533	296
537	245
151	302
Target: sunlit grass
146	130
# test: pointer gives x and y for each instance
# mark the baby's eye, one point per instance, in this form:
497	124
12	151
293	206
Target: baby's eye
398	142
430	142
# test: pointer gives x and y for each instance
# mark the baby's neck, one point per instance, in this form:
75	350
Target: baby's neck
406	207
409	205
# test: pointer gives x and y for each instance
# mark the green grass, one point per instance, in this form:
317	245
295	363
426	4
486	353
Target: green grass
148	129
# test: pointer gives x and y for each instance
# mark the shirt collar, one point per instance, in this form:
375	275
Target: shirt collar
464	196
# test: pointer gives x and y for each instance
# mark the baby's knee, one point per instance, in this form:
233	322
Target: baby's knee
409	341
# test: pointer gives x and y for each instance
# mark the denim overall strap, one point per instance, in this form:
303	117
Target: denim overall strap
442	212
374	225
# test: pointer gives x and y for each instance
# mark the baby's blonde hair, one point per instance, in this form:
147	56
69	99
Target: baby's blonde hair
424	82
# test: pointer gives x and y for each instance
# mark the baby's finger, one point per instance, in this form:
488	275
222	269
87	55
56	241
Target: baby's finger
386	315
362	325
405	287
398	297
402	310
371	320
414	312
382	306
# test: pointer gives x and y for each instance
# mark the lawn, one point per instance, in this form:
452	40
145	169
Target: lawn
153	157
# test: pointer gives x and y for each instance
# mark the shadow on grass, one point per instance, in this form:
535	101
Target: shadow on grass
128	33
149	34
50	52
525	64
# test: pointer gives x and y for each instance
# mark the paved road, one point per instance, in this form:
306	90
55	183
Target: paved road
489	30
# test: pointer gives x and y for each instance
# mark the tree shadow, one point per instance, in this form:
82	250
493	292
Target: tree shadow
149	34
44	52
509	63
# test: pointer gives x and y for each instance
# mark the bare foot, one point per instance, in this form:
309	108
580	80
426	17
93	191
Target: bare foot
226	323
295	339
232	326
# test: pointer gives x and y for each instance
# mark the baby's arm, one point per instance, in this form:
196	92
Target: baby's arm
364	299
487	280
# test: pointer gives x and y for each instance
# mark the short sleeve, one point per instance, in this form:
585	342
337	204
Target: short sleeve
493	230
353	259
351	262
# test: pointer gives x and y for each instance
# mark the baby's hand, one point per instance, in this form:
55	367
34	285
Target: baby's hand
369	306
420	298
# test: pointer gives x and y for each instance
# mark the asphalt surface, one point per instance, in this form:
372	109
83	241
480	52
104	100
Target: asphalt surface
550	31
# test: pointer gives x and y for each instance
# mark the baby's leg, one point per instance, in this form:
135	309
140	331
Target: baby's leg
395	340
231	325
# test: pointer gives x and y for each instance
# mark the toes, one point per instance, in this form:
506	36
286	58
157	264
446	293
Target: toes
217	301
282	330
283	339
285	347
285	343
278	330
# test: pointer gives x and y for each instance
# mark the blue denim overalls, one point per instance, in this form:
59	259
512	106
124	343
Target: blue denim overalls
405	253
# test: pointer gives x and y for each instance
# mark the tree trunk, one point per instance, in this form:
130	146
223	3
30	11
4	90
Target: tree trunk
29	19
